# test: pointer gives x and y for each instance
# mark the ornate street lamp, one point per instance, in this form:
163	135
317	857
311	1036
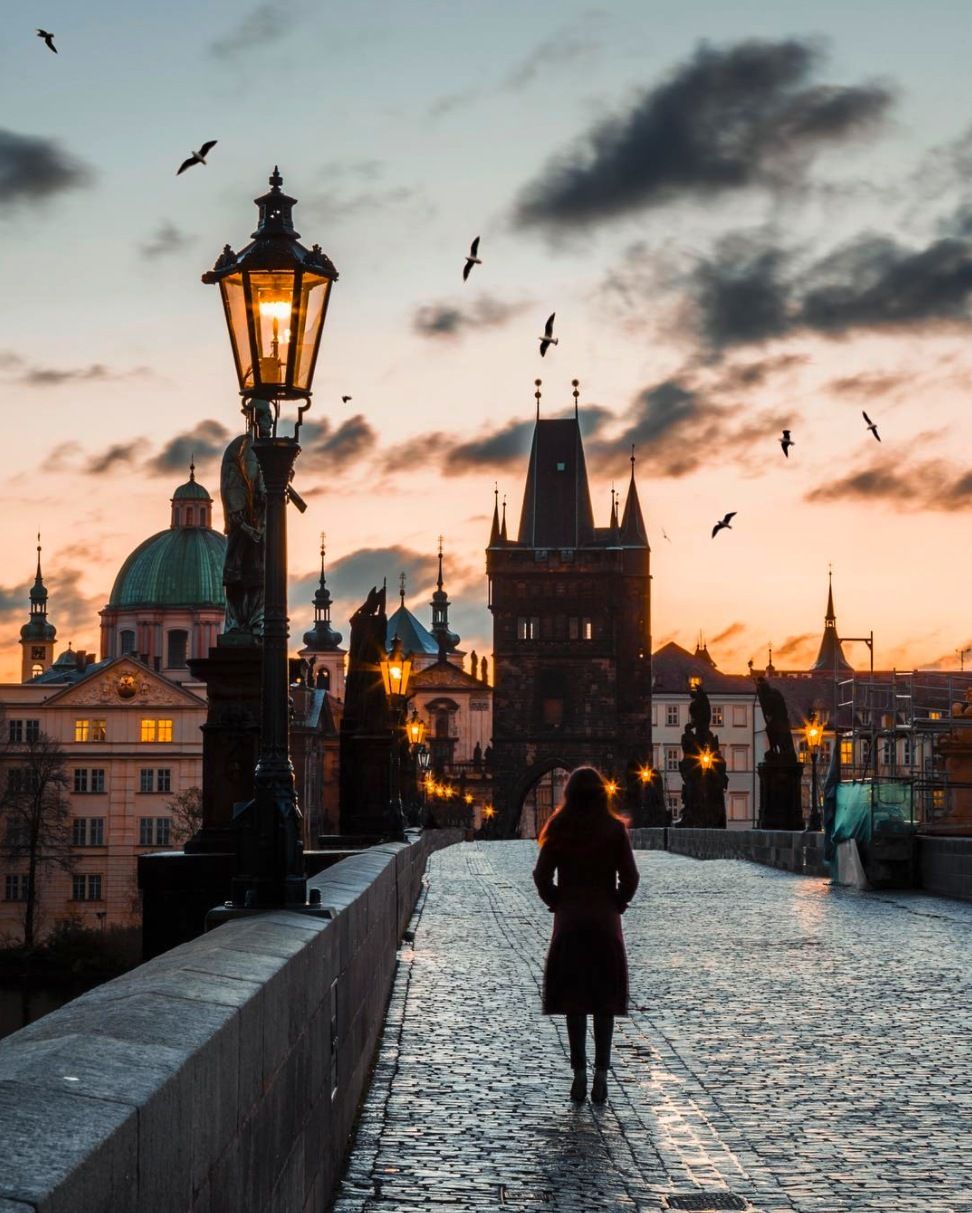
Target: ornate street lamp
813	733
415	729
396	670
275	294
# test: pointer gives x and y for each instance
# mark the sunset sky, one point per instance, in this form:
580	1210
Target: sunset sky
745	216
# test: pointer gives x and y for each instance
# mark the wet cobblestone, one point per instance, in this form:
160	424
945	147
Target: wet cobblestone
802	1046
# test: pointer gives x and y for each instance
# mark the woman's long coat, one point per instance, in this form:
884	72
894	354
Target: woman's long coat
587	968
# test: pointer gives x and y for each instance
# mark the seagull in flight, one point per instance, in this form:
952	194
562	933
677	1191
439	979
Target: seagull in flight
871	425
472	259
48	38
664	536
198	157
786	442
726	522
345	399
548	339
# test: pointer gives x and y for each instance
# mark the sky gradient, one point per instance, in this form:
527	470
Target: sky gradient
743	219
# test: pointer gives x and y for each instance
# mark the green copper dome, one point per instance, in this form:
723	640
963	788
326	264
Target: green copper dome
179	567
192	490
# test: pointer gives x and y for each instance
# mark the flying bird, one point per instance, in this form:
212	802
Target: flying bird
872	426
48	38
786	442
664	536
472	259
197	157
724	523
548	339
345	399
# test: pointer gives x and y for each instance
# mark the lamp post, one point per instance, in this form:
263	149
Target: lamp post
396	670
275	294
415	731
813	732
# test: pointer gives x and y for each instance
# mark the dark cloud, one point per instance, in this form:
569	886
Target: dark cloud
120	454
335	450
505	448
33	169
753	289
932	485
72	610
867	385
454	319
167	239
97	372
565	46
205	441
259	27
793	645
740	377
730	633
731	118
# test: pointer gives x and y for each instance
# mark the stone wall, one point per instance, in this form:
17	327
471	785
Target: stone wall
945	866
793	850
224	1075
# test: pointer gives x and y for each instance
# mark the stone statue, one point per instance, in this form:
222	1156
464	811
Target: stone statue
703	786
778	734
365	703
244	510
700	713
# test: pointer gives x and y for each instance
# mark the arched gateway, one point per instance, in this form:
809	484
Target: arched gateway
571	607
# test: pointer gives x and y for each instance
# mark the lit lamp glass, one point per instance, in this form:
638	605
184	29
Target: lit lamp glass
646	774
468	798
489	812
396	669
706	759
611	786
415	729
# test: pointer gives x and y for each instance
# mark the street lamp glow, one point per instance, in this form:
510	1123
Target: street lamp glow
415	729
396	669
646	774
611	786
706	759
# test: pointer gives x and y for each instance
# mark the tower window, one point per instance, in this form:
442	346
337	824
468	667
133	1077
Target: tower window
528	627
190	516
127	640
178	644
36	669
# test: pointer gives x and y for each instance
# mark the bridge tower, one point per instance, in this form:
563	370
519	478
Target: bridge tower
571	606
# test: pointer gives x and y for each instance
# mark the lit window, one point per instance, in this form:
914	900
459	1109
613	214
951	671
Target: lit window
718	716
847	752
90	730
934	715
156	730
587	629
148	730
528	627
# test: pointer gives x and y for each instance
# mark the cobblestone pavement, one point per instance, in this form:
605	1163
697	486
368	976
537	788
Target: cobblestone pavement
801	1046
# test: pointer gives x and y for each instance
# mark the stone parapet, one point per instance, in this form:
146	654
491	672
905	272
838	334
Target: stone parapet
222	1075
793	850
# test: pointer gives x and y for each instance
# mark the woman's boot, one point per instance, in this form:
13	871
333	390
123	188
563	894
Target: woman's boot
599	1086
578	1088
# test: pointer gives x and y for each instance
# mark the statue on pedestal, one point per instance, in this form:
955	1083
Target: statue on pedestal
702	767
780	772
244	511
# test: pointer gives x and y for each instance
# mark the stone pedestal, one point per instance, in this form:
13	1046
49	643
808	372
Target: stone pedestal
231	739
366	784
779	794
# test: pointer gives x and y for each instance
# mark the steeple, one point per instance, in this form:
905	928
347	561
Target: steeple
494	530
614	509
633	533
37	636
192	505
830	657
322	638
504	538
447	639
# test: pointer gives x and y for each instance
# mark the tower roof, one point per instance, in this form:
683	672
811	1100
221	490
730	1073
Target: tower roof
557	510
37	627
415	637
633	533
192	490
322	637
830	656
178	567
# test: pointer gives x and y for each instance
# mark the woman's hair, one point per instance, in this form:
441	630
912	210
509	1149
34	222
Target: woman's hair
586	807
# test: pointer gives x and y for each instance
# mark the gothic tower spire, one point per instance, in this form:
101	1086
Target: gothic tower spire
830	657
440	615
633	533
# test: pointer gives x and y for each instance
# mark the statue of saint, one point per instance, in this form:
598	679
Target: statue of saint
779	736
244	508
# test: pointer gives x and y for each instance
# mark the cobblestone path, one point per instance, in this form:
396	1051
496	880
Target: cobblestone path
800	1046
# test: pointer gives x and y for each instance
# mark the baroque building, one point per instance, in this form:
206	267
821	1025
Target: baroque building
571	606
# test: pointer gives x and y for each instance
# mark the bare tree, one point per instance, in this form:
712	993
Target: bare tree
35	815
186	809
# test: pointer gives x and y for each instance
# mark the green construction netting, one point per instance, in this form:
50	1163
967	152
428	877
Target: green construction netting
867	807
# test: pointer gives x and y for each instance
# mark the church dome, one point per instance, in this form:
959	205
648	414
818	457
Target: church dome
179	567
192	490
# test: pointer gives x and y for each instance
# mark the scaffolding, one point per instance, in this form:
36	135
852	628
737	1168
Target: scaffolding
899	729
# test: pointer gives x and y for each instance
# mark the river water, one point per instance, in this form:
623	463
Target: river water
22	1003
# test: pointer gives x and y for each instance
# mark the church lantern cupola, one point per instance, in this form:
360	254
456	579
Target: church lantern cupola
37	636
322	638
447	640
192	505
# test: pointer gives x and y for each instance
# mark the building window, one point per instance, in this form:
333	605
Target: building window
718	716
847	752
23	779
178	645
24	730
528	627
934	715
36	669
89	779
587	630
887	751
739	757
673	801
86	888
907	751
740	716
127	639
89	832
15	730
672	758
155	779
156	730
739	806
15	887
671	714
154	831
573	628
654	715
90	730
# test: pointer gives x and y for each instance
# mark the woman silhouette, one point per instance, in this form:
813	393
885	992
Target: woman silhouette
586	844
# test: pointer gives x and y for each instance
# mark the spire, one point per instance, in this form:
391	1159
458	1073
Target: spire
440	615
37	636
614	515
401	587
503	536
494	530
575	384
38	593
633	533
556	509
322	637
192	468
830	656
538	382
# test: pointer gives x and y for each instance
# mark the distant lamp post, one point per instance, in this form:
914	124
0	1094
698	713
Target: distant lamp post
813	733
706	759
275	294
396	671
489	815
611	786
